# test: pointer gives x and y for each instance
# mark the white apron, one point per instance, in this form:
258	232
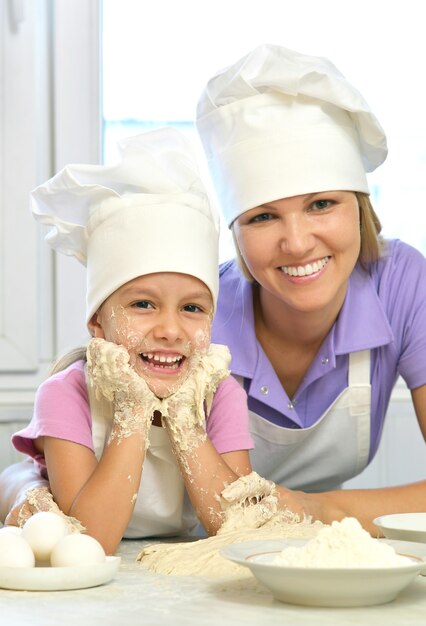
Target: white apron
332	450
162	507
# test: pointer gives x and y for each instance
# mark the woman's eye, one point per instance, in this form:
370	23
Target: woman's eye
142	304
261	217
320	205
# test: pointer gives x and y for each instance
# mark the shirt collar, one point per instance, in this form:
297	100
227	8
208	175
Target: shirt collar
234	320
362	323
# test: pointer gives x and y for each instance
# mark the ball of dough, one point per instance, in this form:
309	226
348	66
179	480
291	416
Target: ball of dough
15	551
43	531
77	549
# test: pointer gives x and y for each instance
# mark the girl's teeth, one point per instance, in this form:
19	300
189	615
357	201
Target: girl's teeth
161	358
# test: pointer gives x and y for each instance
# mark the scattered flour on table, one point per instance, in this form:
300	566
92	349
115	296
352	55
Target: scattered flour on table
343	544
244	521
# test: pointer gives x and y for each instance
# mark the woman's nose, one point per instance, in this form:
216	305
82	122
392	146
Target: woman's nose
297	237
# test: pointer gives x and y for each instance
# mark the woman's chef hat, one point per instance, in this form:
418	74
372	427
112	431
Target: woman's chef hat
278	124
148	213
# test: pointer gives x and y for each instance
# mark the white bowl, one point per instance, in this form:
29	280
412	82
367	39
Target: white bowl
405	526
330	587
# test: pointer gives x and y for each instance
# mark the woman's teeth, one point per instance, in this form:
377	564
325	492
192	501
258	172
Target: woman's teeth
305	270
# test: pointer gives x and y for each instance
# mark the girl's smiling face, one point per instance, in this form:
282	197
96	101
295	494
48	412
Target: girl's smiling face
302	250
162	319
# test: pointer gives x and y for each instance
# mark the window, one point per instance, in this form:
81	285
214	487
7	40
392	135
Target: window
158	55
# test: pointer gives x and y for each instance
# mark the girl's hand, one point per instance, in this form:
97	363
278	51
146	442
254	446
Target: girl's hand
112	376
23	509
206	371
183	412
110	372
34	501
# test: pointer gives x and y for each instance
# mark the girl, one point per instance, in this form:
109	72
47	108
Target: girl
119	437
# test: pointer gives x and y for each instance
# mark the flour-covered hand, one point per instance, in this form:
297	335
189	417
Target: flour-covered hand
35	500
195	395
110	373
184	411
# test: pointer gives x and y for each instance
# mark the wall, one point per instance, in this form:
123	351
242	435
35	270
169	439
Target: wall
49	116
49	107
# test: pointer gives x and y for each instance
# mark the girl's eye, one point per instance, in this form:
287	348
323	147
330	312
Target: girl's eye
261	217
142	304
192	308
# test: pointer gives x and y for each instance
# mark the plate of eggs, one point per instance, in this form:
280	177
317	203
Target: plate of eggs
44	555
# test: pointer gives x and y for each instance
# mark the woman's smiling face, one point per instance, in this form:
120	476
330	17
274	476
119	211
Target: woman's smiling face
162	319
302	250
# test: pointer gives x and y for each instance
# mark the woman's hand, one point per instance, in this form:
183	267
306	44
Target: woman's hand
308	505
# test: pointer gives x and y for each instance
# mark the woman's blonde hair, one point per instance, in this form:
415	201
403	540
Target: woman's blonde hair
370	228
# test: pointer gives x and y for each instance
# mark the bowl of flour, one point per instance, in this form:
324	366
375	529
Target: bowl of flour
342	566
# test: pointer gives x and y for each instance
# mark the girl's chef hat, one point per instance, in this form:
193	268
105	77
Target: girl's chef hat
148	213
278	124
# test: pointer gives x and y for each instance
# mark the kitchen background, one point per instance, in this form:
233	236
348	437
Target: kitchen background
76	75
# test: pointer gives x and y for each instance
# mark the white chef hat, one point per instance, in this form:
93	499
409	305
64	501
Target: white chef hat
148	213
279	123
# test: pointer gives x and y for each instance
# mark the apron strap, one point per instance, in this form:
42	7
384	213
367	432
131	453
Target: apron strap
359	368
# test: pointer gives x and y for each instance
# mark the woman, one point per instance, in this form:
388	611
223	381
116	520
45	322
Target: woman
321	316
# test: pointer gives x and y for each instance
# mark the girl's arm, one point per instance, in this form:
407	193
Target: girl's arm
206	473
101	495
365	504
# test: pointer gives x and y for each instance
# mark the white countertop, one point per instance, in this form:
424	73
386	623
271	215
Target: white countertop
136	596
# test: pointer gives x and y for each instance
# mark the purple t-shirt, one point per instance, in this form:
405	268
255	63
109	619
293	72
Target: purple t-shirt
62	410
384	312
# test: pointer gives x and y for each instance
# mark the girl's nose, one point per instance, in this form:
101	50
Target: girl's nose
168	328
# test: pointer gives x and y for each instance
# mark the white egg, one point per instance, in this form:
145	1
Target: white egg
43	531
77	549
15	551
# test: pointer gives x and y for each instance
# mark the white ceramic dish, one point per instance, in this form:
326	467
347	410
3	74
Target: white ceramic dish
331	587
405	526
411	548
58	578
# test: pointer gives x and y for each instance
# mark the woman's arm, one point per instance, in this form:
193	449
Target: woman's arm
365	504
419	400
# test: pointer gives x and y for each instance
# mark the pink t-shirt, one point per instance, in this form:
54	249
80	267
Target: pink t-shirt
62	410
